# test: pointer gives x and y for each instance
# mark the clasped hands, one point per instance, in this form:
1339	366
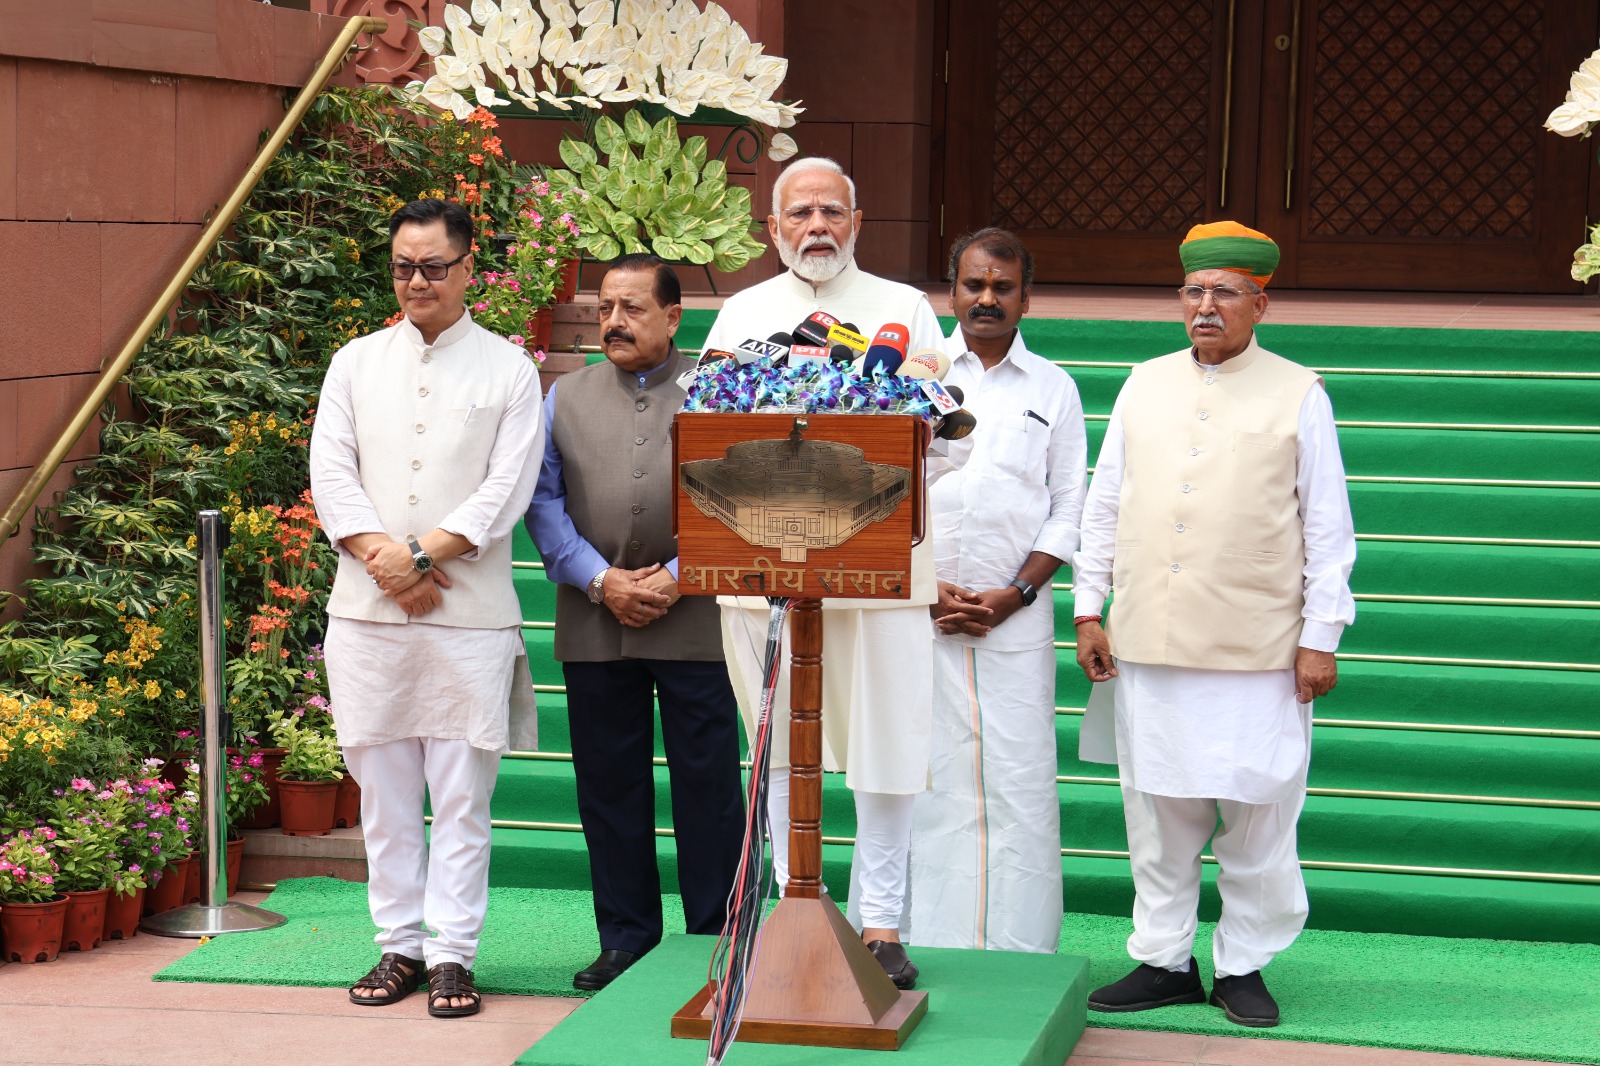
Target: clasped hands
960	610
413	591
639	597
1315	672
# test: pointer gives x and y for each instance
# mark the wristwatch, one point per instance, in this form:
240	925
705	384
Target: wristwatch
597	587
1029	593
421	561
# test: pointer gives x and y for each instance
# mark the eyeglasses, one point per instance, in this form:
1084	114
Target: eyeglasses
1194	295
402	271
831	213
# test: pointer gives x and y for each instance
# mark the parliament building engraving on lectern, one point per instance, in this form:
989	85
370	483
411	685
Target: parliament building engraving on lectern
795	496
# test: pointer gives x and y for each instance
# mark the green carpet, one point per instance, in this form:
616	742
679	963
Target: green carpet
998	1008
1480	997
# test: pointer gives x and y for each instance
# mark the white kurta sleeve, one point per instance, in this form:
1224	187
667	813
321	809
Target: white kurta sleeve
490	513
1330	536
1065	460
343	506
1097	536
925	329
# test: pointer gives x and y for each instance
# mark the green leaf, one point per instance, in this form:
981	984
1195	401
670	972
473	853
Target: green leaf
601	247
680	184
728	262
666	248
608	135
577	154
636	128
738	202
698	253
694	150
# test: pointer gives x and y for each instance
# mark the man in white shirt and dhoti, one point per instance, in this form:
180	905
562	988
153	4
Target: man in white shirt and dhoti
425	453
1005	504
877	664
1219	519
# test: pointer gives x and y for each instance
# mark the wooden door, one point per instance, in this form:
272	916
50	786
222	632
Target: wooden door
1385	144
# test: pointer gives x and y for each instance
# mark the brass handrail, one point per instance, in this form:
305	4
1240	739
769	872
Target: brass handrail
111	372
1227	112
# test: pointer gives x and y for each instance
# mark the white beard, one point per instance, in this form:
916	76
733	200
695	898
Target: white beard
819	268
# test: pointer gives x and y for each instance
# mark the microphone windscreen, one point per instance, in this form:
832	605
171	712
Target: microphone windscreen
780	337
956	393
929	363
842	354
888	350
957	425
813	330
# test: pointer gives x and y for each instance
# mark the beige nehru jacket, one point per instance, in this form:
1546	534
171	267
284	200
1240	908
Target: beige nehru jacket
1210	550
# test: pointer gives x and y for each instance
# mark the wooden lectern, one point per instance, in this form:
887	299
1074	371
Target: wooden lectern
803	506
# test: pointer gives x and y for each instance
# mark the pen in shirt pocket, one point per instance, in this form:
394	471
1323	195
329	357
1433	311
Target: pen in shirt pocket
470	408
1037	417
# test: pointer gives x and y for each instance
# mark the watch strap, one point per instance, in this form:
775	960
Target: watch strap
1029	593
420	559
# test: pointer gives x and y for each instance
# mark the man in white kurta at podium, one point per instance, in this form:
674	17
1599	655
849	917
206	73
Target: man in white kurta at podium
1005	504
425	454
1219	519
877	662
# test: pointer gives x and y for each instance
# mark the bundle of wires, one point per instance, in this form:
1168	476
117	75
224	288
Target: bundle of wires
734	959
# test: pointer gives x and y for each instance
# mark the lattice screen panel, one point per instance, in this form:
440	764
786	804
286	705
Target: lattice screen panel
1102	114
1425	118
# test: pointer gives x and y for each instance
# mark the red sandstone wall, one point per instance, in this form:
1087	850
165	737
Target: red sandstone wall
122	124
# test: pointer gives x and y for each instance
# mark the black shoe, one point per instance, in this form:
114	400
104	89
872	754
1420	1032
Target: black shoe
602	971
1148	987
1245	1000
892	957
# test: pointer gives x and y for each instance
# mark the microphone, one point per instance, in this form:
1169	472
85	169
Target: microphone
847	336
842	355
928	363
814	329
807	353
888	350
955	424
773	349
713	355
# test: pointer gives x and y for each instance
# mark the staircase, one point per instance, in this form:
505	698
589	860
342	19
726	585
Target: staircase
1455	775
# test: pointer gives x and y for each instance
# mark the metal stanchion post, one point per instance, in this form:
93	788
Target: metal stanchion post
214	914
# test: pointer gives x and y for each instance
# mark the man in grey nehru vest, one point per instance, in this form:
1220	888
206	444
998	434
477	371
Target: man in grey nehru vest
602	519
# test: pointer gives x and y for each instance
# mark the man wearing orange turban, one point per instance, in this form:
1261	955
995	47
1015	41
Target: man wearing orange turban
1219	519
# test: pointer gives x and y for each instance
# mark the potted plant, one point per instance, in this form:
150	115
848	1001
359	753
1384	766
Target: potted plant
309	777
86	838
655	193
542	244
32	908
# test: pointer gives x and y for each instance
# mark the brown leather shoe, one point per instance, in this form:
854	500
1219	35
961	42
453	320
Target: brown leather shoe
891	955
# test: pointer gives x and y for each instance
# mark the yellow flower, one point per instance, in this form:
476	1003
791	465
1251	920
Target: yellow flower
152	690
180	694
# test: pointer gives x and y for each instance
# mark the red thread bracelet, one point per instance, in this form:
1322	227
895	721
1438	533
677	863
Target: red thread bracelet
1082	618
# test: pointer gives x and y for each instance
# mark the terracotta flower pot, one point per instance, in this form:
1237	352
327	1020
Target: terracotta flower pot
32	931
544	326
347	808
308	807
567	290
235	863
85	922
168	892
269	813
122	915
191	879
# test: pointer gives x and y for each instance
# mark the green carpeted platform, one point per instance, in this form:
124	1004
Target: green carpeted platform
1471	996
995	1008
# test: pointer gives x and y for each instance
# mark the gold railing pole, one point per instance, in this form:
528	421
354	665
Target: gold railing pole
111	372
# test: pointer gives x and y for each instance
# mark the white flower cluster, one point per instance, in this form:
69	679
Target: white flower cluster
667	52
1578	114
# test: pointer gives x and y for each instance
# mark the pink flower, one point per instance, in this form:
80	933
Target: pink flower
248	777
480	306
515	338
81	784
256	759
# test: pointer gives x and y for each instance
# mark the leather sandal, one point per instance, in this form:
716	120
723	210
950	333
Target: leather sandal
391	979
450	980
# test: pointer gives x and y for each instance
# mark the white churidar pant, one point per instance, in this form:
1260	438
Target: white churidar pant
877	862
414	887
986	865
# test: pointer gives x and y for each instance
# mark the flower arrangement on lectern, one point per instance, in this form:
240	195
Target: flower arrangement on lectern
1578	116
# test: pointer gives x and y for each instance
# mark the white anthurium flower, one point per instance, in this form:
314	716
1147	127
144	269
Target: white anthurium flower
559	12
766	114
787	113
765	85
466	46
452	71
456	18
487	96
620	96
678	54
496	31
652	48
1591	66
549	78
597	81
524	43
557	43
774	66
713	53
680	13
1567	120
738	60
482	10
554	101
529	86
432	39
715	14
441	95
781	147
517	11
596	12
1584	86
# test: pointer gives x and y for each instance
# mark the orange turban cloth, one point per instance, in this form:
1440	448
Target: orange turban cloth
1230	246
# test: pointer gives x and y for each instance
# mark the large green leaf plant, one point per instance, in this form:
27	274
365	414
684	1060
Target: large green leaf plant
656	193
